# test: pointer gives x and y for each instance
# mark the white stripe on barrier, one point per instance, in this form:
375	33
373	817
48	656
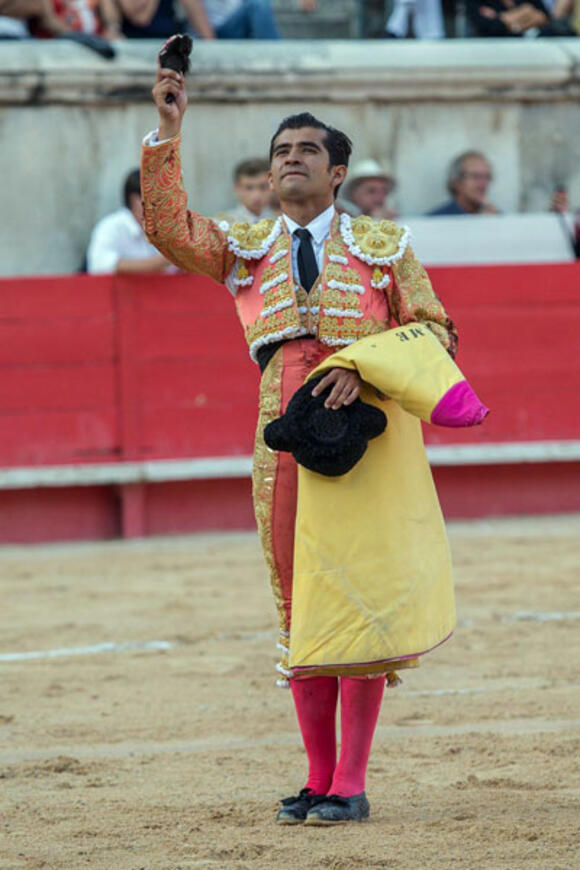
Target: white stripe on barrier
130	646
154	471
227	467
505	453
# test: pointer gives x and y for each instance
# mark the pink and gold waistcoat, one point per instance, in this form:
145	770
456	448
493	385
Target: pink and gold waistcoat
348	300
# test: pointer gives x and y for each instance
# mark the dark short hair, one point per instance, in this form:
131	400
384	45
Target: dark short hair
336	142
132	185
252	166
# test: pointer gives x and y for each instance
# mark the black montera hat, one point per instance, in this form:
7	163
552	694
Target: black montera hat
328	441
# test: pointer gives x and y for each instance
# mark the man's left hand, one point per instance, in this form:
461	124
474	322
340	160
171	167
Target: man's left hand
345	384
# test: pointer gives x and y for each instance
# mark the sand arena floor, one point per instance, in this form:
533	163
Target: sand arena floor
144	759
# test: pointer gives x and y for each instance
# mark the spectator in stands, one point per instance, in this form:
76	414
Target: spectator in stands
65	18
118	243
515	18
425	16
367	189
155	19
243	19
209	19
12	28
468	180
252	191
568	10
560	203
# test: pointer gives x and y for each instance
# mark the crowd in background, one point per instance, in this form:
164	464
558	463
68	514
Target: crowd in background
118	242
97	21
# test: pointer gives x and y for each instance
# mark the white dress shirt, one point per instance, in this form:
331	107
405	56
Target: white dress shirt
118	236
319	229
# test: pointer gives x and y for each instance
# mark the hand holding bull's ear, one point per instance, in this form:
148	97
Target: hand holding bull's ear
169	91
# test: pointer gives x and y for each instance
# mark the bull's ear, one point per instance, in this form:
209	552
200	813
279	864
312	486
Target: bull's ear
373	421
275	435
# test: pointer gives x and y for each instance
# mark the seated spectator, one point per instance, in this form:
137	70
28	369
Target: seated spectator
208	19
560	204
155	19
58	18
366	190
515	18
252	190
568	10
118	242
239	19
11	27
425	16
468	180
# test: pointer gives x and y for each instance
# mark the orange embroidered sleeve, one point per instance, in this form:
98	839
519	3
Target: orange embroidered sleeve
192	241
412	300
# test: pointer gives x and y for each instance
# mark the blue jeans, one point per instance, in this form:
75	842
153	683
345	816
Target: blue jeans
253	19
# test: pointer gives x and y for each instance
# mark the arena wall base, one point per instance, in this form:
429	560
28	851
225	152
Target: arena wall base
508	490
128	409
182	507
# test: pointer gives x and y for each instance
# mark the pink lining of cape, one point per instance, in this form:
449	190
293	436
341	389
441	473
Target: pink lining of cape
459	407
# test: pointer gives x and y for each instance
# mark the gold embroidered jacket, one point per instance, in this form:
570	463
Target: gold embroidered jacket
369	278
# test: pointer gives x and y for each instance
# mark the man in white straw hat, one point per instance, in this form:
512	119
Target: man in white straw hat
367	189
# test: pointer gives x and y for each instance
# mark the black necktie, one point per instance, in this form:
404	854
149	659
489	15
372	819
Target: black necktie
307	265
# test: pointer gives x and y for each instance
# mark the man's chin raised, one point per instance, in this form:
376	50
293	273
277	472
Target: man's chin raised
292	186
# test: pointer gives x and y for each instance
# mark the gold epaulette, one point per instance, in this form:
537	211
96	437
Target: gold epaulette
253	241
376	242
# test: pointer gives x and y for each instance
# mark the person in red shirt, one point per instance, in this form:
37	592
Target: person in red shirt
58	18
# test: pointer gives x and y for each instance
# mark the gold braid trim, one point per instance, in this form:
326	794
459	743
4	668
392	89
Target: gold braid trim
340	299
264	476
378	243
281	320
253	241
412	300
337	331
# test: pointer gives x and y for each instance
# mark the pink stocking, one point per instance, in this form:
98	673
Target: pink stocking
315	701
360	702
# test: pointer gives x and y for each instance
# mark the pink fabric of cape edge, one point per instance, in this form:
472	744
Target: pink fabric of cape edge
459	407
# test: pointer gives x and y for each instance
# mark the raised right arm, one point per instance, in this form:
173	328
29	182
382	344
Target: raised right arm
190	240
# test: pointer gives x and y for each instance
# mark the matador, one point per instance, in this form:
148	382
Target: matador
367	551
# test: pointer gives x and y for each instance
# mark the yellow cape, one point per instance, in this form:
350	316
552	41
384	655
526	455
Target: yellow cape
372	582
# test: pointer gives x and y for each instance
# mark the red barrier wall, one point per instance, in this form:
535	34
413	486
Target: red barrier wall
114	369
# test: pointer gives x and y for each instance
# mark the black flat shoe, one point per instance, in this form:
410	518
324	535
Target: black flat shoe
336	810
294	809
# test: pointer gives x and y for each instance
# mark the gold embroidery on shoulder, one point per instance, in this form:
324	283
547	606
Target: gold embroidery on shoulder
378	243
253	241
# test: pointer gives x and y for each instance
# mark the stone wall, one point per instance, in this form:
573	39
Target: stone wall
71	124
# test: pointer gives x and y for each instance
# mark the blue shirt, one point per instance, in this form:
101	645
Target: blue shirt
450	207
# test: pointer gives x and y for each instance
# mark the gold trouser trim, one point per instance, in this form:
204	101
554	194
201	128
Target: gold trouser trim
264	477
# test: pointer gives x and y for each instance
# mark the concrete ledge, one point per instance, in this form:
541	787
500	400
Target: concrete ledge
385	71
229	467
